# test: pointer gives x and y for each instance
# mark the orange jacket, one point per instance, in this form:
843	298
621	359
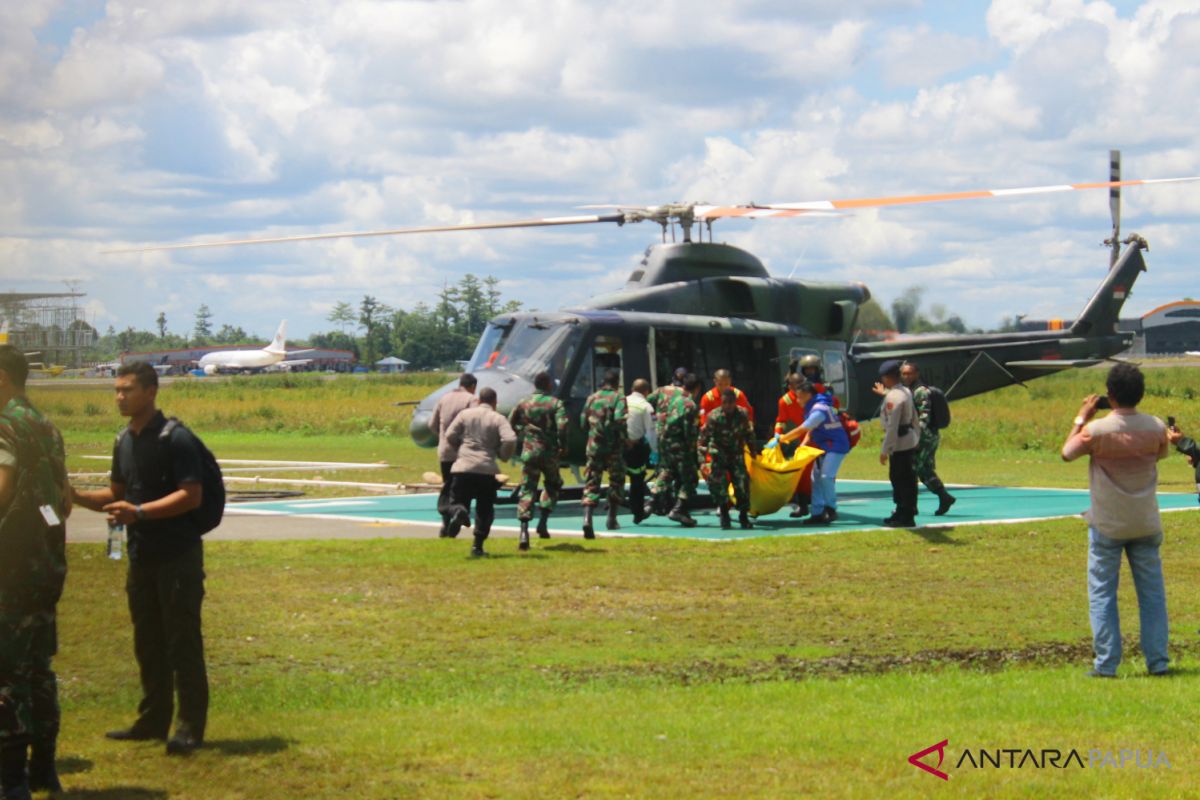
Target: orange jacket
712	399
791	413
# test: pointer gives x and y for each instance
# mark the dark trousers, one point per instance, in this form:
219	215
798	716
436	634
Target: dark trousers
470	486
28	687
903	475
636	460
443	504
164	603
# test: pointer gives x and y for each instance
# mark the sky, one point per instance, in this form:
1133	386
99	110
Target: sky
126	123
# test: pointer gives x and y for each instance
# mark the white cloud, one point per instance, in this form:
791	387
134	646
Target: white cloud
201	120
920	56
99	72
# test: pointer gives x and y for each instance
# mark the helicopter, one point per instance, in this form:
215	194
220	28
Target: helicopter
705	305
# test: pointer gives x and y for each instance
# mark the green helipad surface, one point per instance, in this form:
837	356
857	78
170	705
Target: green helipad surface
861	505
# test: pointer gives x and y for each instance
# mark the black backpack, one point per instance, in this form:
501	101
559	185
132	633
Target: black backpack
939	408
212	496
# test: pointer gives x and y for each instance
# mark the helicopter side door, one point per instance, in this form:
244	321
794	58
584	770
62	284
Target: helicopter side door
753	361
601	351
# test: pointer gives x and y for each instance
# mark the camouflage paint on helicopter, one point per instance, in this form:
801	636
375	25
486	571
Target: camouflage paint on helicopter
706	306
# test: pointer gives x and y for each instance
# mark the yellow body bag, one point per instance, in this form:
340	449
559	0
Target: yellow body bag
773	477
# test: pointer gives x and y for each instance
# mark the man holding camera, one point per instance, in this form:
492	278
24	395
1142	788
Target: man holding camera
1187	446
1125	448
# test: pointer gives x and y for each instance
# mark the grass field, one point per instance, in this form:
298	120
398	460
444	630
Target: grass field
1008	437
779	667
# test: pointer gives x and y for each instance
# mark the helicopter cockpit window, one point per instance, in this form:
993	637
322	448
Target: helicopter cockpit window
603	354
534	346
488	348
835	372
585	382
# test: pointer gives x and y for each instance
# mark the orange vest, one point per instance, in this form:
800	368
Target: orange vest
712	399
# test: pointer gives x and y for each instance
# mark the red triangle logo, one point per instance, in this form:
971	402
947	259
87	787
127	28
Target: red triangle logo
940	747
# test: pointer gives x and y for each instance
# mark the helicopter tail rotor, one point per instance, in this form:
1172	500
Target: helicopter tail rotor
1114	205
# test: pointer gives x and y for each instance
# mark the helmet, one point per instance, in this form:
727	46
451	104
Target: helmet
810	361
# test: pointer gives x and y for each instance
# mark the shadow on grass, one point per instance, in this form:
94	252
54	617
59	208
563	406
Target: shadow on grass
114	793
72	765
1176	672
571	547
937	536
249	747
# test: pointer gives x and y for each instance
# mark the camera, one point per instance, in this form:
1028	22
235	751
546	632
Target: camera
1102	404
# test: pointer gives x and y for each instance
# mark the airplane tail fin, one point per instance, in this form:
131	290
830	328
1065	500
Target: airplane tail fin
279	343
1099	317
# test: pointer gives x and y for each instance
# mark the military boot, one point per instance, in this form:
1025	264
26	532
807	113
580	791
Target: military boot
543	530
679	514
945	499
723	513
611	523
43	777
650	510
523	544
744	520
589	531
12	771
477	548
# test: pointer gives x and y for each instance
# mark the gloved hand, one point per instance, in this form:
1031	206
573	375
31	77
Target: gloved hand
772	442
653	462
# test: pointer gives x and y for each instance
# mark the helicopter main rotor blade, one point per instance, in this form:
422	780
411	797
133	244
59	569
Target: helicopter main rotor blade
826	206
478	226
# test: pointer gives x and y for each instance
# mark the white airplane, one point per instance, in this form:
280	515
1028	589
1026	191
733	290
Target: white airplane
274	354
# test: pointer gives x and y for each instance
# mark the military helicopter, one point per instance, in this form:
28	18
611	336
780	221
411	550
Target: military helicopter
705	305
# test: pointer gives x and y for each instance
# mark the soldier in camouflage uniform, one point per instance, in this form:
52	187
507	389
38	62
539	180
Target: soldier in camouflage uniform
925	461
603	420
678	420
658	400
726	435
34	504
540	422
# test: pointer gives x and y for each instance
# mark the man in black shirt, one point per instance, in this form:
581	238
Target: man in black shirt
154	485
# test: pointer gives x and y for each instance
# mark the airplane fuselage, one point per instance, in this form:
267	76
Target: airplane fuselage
240	359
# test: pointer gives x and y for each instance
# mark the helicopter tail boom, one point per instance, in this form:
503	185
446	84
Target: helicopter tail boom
1100	315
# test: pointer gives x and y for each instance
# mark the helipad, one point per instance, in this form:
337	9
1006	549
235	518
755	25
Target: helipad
861	505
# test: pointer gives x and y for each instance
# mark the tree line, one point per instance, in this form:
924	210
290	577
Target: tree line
436	336
428	337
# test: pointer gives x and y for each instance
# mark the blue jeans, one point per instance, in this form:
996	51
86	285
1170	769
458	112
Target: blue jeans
824	477
1104	572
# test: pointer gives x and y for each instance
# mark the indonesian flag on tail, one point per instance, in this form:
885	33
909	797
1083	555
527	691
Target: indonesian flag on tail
1119	293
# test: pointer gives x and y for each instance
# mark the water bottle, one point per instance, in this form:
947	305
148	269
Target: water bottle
116	540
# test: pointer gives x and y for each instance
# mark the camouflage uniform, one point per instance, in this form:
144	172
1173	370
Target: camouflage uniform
725	437
33	567
678	426
603	420
540	422
659	399
925	461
